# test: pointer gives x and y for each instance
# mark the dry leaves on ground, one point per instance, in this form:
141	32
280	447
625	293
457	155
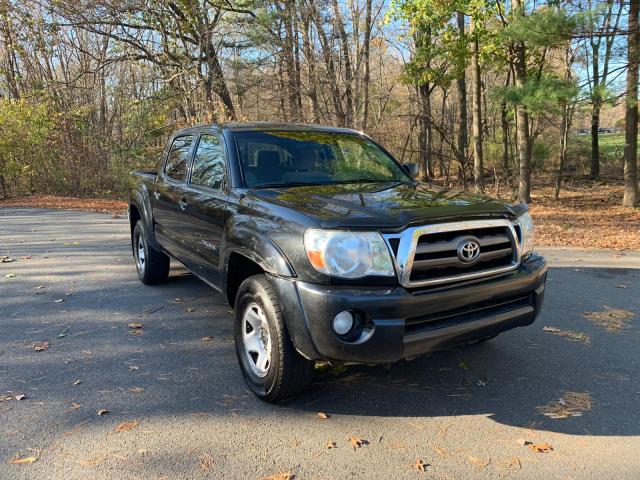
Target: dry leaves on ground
102	411
479	462
206	462
136	390
126	426
357	442
280	476
40	346
541	447
322	415
5	259
331	445
135	325
572	404
419	465
207	339
18	460
612	320
570	334
587	215
67	203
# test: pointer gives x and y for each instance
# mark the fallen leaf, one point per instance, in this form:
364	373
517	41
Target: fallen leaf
357	442
6	398
133	367
207	339
21	396
102	411
331	445
621	286
136	325
17	459
612	320
115	215
522	442
40	287
190	309
74	406
177	300
571	335
479	462
206	461
322	415
280	476
9	275
137	332
136	390
126	426
39	346
572	404
419	465
77	382
5	259
60	300
439	450
25	257
541	447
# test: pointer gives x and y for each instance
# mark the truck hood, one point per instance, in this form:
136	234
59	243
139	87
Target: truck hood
383	205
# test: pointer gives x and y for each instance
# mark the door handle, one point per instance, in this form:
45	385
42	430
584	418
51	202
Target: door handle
183	205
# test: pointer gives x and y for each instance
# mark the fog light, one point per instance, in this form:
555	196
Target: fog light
343	323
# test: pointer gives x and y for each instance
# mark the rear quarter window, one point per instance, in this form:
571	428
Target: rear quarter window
178	157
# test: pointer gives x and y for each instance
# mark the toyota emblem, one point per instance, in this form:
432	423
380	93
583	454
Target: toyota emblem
468	251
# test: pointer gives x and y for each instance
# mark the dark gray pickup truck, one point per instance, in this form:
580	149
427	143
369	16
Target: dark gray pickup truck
328	249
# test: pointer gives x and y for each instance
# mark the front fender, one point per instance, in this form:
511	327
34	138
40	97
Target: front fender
256	247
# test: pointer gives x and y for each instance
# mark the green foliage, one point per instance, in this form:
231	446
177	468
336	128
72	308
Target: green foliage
544	95
26	131
545	27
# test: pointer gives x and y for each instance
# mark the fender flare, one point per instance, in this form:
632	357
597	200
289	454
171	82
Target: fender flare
140	200
257	248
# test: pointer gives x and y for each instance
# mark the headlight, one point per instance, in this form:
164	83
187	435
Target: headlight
348	254
526	229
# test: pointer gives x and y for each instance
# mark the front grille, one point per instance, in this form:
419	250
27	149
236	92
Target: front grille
430	255
436	254
468	313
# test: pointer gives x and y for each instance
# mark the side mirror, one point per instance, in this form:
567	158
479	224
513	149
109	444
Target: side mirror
412	169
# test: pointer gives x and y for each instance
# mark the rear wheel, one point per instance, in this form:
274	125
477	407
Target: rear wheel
151	264
270	364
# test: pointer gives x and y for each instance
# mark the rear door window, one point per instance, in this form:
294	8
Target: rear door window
178	158
208	164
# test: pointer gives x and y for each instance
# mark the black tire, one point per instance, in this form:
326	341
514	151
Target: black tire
153	268
288	372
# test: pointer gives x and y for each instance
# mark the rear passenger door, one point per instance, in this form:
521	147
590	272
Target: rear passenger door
208	208
168	192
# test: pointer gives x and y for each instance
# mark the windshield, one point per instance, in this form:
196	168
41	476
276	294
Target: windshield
292	158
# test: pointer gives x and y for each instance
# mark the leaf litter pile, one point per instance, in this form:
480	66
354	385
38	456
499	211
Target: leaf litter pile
612	320
572	404
570	334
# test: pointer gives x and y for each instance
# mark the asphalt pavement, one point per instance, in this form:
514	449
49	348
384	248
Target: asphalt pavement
177	407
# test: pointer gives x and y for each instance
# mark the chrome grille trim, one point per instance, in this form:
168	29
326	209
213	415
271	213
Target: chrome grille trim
408	247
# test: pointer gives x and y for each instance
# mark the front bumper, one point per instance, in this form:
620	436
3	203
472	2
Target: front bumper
407	323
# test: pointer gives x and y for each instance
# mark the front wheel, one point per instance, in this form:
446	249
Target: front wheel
270	364
152	265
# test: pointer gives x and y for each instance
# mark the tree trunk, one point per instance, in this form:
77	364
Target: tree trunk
311	66
562	154
367	67
348	73
463	138
630	198
595	147
425	136
522	127
476	115
504	123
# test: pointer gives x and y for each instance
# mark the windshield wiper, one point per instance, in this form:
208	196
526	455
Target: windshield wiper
366	181
288	184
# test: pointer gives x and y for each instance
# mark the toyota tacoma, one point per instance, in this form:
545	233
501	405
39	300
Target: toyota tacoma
329	249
